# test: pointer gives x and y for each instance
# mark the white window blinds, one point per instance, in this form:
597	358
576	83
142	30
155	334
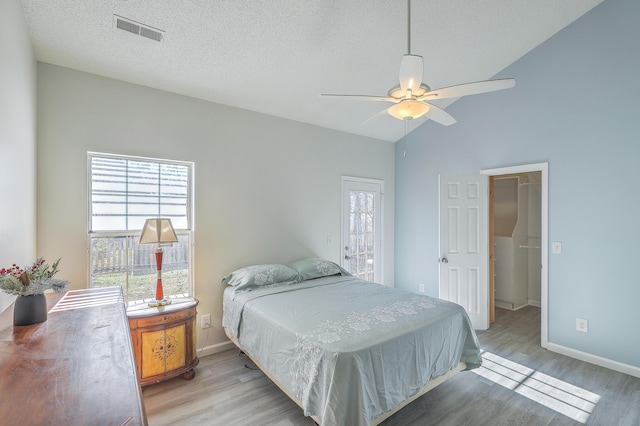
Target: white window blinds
125	191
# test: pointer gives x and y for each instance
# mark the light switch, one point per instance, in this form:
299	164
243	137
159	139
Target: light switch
582	325
556	247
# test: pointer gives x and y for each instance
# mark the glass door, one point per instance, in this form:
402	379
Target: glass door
362	228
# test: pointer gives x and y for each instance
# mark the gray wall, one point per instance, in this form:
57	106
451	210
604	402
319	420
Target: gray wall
17	141
266	189
575	106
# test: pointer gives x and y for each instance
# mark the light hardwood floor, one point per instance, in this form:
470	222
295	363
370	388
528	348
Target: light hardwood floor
224	392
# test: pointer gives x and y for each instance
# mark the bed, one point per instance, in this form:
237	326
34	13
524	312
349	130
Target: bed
348	351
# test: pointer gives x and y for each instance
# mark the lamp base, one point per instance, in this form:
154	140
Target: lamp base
162	302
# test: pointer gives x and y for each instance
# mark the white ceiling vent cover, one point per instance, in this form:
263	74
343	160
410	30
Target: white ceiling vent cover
138	28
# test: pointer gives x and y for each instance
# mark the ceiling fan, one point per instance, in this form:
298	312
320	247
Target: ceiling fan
410	97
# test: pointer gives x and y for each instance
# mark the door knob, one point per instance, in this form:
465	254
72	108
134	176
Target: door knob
347	257
444	260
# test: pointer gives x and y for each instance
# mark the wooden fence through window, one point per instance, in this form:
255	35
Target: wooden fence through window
142	259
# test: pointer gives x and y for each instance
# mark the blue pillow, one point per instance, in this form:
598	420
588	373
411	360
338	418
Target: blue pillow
261	275
316	267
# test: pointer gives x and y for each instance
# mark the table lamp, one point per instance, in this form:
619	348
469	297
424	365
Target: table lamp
158	231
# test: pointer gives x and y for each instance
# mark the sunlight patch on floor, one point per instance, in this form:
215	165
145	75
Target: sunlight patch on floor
565	398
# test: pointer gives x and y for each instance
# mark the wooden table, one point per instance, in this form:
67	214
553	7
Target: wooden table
164	340
76	368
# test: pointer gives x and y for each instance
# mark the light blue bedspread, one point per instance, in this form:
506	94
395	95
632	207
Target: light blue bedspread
349	349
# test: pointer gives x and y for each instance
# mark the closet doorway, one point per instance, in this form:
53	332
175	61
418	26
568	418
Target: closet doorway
518	239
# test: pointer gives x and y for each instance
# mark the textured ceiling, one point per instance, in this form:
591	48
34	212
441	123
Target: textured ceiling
277	56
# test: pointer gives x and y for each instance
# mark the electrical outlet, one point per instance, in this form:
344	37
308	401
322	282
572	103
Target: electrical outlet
421	288
205	321
582	325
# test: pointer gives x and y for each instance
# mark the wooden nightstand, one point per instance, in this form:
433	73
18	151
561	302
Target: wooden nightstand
164	340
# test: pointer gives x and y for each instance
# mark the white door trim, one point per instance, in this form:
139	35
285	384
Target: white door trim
544	237
343	253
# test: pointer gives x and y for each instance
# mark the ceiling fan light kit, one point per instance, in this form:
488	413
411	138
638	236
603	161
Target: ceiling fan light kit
408	109
411	95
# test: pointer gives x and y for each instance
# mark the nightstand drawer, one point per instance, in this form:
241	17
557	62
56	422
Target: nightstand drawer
161	319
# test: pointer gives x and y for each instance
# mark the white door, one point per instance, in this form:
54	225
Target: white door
362	228
464	245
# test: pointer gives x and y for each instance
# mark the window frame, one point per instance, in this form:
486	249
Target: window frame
188	231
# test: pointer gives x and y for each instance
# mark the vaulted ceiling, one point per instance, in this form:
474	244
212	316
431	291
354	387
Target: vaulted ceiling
277	56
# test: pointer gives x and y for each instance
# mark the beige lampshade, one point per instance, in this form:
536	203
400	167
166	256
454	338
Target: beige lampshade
158	230
408	108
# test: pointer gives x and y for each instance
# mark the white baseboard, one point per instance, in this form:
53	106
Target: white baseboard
214	349
504	305
535	303
509	305
594	359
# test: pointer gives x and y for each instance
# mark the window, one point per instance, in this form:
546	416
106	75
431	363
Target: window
123	192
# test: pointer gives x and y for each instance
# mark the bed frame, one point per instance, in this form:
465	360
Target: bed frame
430	385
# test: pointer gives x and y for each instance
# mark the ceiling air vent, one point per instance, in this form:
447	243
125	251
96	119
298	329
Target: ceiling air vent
138	28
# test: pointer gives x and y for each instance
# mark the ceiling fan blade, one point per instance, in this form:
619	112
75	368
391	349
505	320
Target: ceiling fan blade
411	68
469	89
383	112
440	116
361	97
